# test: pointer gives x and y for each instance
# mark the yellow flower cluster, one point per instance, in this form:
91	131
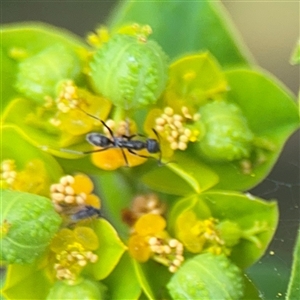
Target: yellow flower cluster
149	238
73	191
173	126
73	251
199	235
32	178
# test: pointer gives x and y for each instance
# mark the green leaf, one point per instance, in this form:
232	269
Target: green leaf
128	286
194	177
26	282
109	252
295	59
16	114
154	286
13	140
181	27
257	220
272	115
248	212
195	78
250	292
294	288
30	39
116	193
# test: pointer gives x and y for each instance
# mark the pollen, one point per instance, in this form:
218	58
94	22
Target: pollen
73	191
149	239
8	172
175	127
31	178
168	252
71	261
199	235
141	205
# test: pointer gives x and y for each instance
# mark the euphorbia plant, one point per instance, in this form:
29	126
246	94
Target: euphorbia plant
126	157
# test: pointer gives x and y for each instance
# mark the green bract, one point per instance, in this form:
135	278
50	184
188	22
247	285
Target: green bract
132	73
246	223
31	223
39	75
83	289
208	277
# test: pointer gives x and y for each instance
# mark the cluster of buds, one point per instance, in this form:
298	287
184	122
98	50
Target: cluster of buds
173	127
199	235
149	239
141	205
122	128
71	261
73	191
8	172
73	250
31	178
168	252
63	193
68	97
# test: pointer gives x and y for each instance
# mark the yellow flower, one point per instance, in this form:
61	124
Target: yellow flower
73	251
73	192
32	178
150	240
198	235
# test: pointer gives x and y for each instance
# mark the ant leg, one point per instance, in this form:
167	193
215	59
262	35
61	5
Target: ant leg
124	156
84	152
160	153
160	163
103	123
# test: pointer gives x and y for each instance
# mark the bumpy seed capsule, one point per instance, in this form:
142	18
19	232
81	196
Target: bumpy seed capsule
130	72
207	276
227	136
230	232
32	222
82	289
39	75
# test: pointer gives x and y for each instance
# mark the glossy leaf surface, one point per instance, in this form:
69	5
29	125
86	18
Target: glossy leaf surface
109	252
128	286
249	212
200	25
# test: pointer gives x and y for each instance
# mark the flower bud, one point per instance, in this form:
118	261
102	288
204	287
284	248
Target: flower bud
39	74
130	72
207	276
81	289
30	222
226	136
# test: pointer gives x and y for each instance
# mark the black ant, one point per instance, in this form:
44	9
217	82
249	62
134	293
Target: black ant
123	142
87	212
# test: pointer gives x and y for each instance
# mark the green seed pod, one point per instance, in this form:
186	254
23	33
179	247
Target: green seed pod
39	75
132	73
226	136
30	222
81	289
230	232
209	277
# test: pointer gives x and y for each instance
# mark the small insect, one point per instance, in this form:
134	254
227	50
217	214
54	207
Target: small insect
123	142
88	212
